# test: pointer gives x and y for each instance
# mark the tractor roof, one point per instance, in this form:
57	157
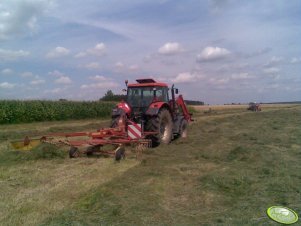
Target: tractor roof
147	82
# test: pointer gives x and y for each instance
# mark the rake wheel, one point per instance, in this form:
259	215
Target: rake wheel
73	152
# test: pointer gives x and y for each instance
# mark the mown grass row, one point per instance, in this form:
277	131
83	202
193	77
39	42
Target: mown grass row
17	111
228	171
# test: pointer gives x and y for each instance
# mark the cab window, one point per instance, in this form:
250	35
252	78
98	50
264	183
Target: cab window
162	94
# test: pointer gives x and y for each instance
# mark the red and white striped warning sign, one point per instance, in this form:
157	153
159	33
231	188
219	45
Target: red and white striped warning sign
134	131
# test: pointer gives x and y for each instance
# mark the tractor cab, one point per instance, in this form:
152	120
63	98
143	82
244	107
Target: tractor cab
146	91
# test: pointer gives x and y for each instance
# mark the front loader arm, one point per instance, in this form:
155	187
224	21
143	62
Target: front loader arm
180	102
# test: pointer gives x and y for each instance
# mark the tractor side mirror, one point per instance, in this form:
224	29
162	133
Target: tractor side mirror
177	91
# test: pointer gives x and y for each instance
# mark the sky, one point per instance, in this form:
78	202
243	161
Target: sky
216	51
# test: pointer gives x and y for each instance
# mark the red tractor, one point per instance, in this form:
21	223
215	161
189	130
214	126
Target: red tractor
147	118
149	105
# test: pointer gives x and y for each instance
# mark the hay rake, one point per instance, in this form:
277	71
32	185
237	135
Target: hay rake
95	142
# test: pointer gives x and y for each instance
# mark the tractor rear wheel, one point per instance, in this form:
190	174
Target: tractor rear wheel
162	124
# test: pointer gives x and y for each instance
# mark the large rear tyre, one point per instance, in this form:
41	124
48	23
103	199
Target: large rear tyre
162	124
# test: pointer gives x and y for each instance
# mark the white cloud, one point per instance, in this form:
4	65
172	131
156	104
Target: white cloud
63	80
7	71
6	85
271	70
259	52
93	66
37	82
102	85
19	18
55	91
186	77
220	81
80	54
58	52
98	78
10	55
241	76
119	65
274	61
98	50
296	60
213	53
170	48
26	74
133	67
56	73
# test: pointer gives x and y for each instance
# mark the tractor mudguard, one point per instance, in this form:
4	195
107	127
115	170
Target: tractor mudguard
120	108
152	111
117	111
155	107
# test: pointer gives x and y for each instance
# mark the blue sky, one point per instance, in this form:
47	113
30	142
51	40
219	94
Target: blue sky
214	51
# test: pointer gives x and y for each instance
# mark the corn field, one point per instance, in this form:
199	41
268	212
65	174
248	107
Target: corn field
18	111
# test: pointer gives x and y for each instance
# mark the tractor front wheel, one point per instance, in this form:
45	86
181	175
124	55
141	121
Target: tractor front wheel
183	129
162	124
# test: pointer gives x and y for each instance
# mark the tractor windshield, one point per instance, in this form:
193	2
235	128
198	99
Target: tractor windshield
143	96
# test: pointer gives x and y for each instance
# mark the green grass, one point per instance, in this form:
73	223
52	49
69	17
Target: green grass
232	167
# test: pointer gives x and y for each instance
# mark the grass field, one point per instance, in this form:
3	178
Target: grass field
231	168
